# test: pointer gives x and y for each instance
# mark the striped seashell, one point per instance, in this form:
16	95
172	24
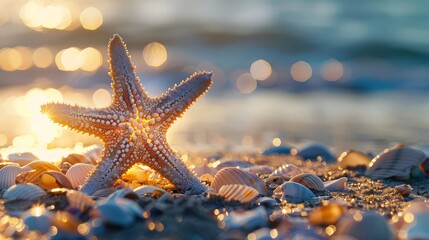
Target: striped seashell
327	215
22	158
79	200
41	165
309	180
352	159
26	191
78	173
316	152
147	190
231	163
204	169
231	175
287	171
395	162
51	179
8	176
4	164
37	168
293	192
237	192
260	169
339	184
123	193
75	158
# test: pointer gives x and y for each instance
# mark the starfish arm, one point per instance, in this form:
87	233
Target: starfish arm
173	103
127	89
98	122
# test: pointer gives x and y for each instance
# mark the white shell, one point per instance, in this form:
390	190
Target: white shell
231	175
237	192
395	162
352	159
79	200
78	173
287	171
293	192
309	180
8	176
148	190
248	220
26	191
339	184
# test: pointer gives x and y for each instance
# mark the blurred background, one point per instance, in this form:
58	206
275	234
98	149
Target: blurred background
346	74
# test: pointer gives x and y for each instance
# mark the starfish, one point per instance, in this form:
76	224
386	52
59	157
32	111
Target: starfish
133	128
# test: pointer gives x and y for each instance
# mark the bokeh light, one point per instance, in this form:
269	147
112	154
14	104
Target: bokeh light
260	70
101	98
301	71
26	57
37	15
10	59
277	141
155	54
90	59
91	18
246	83
332	70
42	57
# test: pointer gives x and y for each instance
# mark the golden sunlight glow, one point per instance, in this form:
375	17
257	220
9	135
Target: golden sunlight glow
101	98
23	141
277	142
4	15
260	70
3	139
91	18
42	57
301	71
332	70
26	57
246	83
37	211
91	59
37	15
10	59
68	59
155	54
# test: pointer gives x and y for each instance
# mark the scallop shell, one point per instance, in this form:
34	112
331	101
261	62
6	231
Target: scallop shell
4	164
231	163
78	173
123	193
149	190
237	192
339	184
327	215
38	167
315	152
404	189
293	192
75	158
352	159
204	169
231	175
26	191
52	179
260	169
22	158
79	200
395	162
8	176
309	180
287	171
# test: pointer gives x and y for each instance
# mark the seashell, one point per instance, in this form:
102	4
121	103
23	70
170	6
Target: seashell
26	191
37	219
65	167
249	220
231	175
353	159
287	171
79	200
309	180
130	206
138	173
8	175
293	192
147	190
395	162
22	158
339	184
260	169
417	229
266	201
78	173
52	179
207	177
123	193
103	193
40	165
4	164
237	192
115	215
404	189
365	225
327	215
75	158
316	152
231	163
274	180
204	169
280	150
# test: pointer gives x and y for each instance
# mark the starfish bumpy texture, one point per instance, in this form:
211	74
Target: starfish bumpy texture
134	126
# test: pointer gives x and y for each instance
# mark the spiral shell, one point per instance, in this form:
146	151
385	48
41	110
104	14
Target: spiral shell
78	173
309	180
149	190
293	192
339	184
26	191
8	175
52	179
352	159
287	171
237	192
79	200
395	162
231	175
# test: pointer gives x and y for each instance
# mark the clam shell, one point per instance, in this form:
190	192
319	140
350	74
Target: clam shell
26	191
315	152
266	201
280	150
404	189
231	175
123	193
277	180
231	163
237	192
293	192
78	173
130	206
327	215
395	162
339	184
4	164
204	169
75	158
352	159
287	171
149	190
22	158
8	176
40	165
260	169
52	179
309	180
113	214
79	200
